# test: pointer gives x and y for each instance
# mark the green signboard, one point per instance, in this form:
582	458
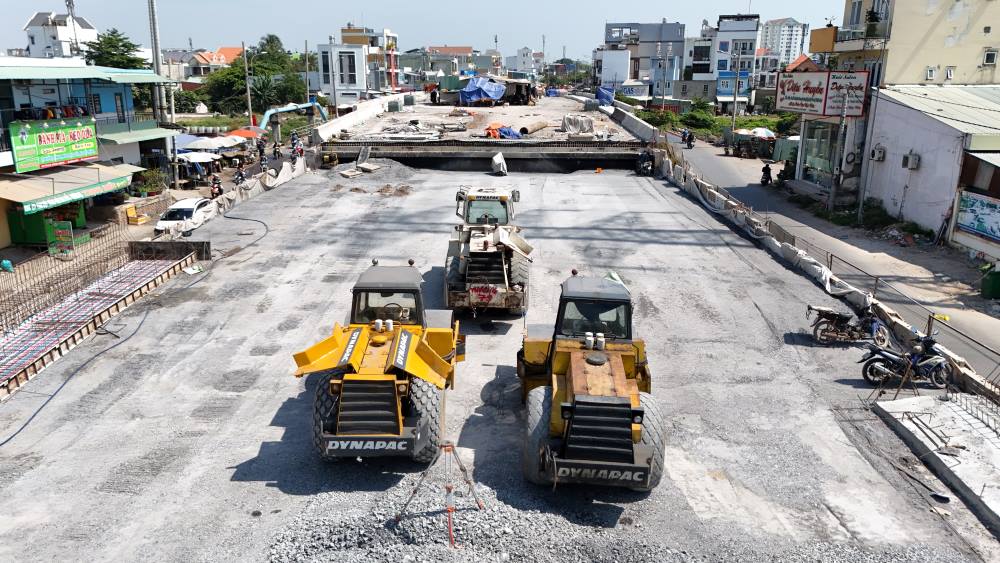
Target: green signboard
41	144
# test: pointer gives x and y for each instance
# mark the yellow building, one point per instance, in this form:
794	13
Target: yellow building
908	42
383	56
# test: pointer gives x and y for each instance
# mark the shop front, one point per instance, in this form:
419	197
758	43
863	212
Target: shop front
46	207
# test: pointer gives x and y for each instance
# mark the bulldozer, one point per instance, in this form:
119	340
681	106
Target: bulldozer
488	261
383	374
586	387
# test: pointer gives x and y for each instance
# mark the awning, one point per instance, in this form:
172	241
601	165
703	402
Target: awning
724	99
127	137
988	157
57	186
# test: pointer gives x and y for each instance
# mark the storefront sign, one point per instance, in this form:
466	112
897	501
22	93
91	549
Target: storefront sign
822	93
62	246
42	144
979	214
802	92
76	195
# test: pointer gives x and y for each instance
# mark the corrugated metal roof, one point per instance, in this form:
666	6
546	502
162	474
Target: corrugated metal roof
126	137
969	109
55	187
117	75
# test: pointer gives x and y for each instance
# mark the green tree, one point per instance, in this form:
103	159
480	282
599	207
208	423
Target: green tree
270	56
299	62
290	88
701	104
263	91
114	49
187	101
225	89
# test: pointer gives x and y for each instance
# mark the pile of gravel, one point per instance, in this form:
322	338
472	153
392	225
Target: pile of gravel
538	528
390	171
499	532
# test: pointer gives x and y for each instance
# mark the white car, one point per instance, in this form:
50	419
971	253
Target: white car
195	211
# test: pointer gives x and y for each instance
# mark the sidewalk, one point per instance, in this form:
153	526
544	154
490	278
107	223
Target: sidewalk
939	278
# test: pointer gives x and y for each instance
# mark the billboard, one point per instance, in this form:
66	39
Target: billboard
42	144
822	93
980	215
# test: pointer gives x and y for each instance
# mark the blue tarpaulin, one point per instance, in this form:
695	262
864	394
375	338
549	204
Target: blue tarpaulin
552	92
480	88
605	96
508	133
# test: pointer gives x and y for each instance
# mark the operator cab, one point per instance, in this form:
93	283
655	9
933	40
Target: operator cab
486	206
595	306
388	293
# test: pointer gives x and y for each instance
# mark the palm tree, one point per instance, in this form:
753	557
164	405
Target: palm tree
263	91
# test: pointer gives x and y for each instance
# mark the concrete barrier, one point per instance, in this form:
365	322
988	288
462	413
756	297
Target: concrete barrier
364	111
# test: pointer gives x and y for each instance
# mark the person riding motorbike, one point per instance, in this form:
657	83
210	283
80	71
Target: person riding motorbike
765	177
276	151
690	140
216	186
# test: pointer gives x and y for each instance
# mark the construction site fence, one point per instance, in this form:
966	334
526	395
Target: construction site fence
977	365
43	281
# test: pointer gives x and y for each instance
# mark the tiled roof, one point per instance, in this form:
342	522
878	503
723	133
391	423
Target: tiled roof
227	55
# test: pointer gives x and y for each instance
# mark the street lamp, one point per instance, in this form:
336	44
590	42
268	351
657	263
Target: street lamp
246	78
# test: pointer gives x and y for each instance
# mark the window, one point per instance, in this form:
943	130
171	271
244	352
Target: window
949	73
95	104
723	64
32	39
348	68
486	212
987	30
855	16
607	317
704	90
990	58
931	73
684	89
325	60
399	306
724	46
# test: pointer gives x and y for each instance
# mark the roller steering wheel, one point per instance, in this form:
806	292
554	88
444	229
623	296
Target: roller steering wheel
485	218
385	312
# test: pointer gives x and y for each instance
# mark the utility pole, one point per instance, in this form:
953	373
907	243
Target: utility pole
305	53
71	8
736	87
333	78
246	78
159	98
839	153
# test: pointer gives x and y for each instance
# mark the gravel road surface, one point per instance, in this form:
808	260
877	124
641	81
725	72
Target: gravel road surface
191	440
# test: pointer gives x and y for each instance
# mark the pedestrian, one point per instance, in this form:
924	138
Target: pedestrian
261	147
276	151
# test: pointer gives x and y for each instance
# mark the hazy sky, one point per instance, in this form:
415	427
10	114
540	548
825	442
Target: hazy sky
579	25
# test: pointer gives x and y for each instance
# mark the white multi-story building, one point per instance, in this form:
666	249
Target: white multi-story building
53	35
343	67
784	37
523	61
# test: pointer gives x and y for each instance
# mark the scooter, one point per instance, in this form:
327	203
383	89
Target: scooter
831	326
690	141
765	179
924	362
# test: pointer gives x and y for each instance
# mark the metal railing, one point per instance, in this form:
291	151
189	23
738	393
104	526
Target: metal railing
874	30
127	118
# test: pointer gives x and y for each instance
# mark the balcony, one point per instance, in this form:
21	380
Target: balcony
130	121
869	36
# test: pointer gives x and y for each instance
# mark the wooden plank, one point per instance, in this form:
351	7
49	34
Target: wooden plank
618	375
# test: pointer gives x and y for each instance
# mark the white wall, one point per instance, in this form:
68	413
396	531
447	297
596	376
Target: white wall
615	66
925	194
130	152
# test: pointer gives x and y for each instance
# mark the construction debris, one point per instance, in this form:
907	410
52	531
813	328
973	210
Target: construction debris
575	123
499	165
368	167
351	173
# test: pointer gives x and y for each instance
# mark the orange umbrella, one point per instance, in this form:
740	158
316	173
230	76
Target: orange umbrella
246	133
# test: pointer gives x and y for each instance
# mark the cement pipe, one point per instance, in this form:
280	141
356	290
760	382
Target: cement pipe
533	127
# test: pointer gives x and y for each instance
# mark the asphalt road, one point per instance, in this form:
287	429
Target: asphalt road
190	441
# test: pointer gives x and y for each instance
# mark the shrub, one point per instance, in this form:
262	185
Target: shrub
699	120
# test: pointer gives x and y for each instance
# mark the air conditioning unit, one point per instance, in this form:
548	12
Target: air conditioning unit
878	154
911	161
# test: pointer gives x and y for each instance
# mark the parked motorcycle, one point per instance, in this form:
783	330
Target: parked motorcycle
765	180
924	360
644	164
831	326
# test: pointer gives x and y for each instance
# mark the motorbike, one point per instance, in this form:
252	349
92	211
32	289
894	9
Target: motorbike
690	141
831	326
765	179
924	362
644	164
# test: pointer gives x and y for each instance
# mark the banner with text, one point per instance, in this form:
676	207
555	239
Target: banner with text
980	215
822	93
42	144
